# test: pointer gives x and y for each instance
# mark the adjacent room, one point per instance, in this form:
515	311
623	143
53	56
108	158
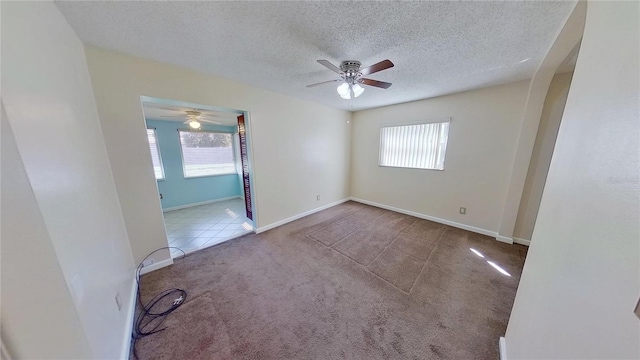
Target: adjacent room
320	180
198	166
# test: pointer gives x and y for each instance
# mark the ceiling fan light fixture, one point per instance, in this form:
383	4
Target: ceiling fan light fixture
357	90
343	91
351	76
194	124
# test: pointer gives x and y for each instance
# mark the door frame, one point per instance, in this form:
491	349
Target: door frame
249	139
250	168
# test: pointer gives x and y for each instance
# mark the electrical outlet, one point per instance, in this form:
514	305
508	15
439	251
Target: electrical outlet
463	210
148	262
317	197
118	301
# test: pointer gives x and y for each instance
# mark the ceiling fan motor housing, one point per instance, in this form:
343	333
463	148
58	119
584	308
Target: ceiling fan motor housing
351	73
351	68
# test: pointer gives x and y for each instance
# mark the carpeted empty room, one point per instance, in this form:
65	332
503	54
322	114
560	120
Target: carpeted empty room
349	282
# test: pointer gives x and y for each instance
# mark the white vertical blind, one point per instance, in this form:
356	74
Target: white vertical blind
155	154
420	146
207	153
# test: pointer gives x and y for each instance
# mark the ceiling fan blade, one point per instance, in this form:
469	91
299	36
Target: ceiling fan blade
376	83
186	122
210	122
216	116
172	116
172	110
324	82
382	65
330	66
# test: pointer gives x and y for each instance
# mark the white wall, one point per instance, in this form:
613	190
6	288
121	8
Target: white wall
482	141
581	278
541	156
39	319
300	149
50	107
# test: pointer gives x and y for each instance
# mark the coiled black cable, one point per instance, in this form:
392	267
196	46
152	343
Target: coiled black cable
150	318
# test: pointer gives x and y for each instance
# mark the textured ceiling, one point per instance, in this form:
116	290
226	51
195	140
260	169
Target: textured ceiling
437	47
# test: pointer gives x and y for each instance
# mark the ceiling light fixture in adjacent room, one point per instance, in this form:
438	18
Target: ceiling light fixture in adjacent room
194	117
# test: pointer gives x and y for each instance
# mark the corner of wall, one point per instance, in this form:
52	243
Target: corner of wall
568	36
350	184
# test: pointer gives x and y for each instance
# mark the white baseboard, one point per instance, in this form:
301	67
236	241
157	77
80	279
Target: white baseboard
387	207
131	312
522	241
429	217
296	217
200	203
156	266
504	239
503	348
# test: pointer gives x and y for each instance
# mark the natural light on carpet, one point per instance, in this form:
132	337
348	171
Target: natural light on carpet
502	271
495	266
476	252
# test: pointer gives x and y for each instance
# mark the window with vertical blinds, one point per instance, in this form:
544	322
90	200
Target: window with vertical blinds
420	146
207	153
155	154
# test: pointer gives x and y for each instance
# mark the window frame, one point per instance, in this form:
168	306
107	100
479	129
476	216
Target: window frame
234	172
157	146
425	122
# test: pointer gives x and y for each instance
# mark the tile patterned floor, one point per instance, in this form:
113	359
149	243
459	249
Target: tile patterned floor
202	226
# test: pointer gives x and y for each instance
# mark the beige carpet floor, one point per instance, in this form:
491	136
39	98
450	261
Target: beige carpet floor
350	282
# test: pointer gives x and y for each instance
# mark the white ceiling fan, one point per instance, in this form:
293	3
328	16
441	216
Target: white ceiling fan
194	117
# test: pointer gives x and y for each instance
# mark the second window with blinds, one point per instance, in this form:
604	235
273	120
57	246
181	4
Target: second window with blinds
417	146
207	153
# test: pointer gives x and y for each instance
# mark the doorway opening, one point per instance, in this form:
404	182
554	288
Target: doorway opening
549	126
202	164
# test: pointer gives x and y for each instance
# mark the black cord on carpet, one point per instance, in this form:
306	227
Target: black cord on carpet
155	312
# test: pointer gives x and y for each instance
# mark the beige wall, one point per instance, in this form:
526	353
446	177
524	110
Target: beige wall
300	149
541	156
47	95
580	282
39	319
482	141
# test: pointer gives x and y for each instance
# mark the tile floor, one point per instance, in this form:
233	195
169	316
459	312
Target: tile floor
202	226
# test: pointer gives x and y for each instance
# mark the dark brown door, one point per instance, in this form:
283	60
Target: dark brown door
244	157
